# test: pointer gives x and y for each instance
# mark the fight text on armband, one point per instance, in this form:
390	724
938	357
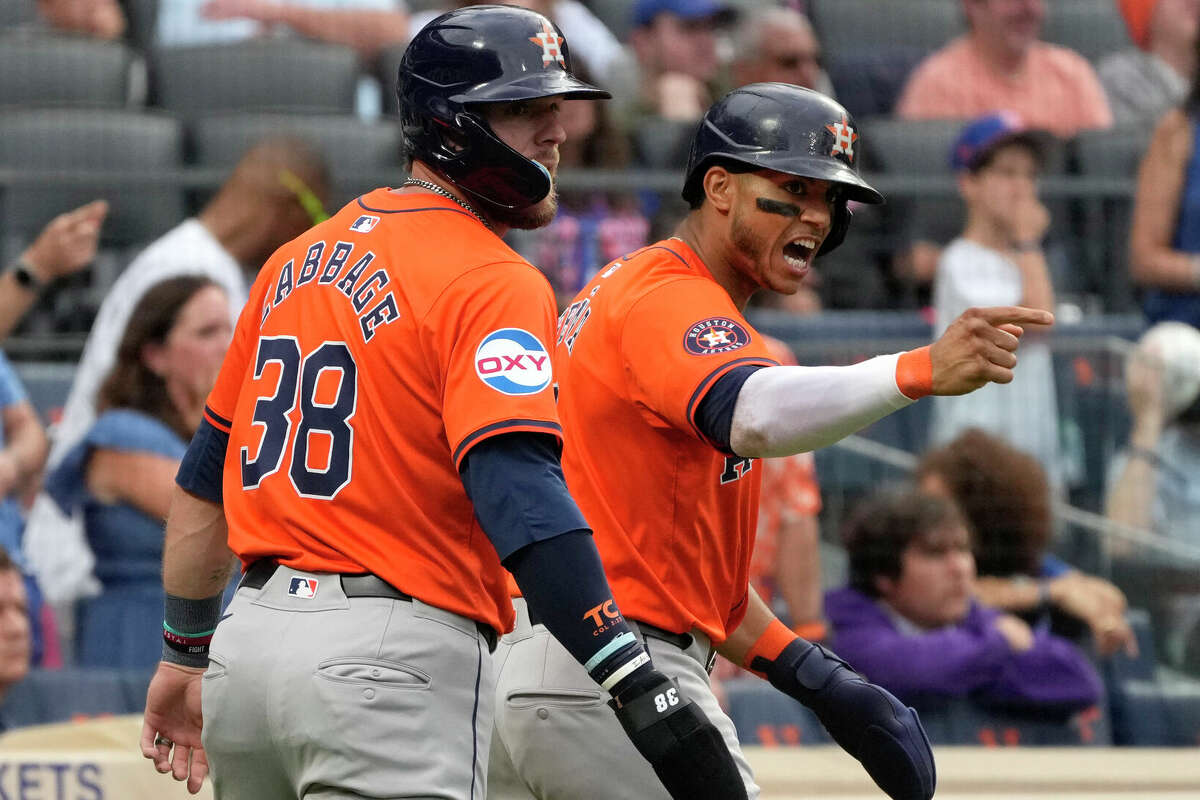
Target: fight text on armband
353	271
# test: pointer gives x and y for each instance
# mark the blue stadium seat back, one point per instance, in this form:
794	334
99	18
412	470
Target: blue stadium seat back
961	721
47	382
43	69
59	695
360	155
1164	712
765	716
1092	28
843	25
869	81
266	74
75	142
17	12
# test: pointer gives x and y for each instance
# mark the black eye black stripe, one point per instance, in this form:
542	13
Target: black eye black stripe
778	207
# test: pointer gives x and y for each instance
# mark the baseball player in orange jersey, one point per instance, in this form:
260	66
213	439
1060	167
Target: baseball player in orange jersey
667	397
381	438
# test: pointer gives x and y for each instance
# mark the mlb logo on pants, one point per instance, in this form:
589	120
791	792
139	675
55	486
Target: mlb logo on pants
303	587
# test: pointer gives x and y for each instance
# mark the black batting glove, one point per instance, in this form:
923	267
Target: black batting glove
866	720
684	748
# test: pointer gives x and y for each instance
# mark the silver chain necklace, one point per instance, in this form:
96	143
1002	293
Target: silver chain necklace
433	187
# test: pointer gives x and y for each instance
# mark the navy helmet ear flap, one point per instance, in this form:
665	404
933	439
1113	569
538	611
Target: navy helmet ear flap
838	228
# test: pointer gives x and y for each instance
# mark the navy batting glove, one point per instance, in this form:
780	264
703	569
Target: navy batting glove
866	720
686	750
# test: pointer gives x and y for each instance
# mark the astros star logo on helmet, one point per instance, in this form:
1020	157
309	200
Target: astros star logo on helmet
551	44
843	138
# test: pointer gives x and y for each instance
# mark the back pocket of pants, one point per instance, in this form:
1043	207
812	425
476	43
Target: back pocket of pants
562	698
373	672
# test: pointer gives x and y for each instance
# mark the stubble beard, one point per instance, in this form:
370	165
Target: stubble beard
531	218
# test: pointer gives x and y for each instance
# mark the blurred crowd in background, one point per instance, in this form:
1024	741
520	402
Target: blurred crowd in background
1036	549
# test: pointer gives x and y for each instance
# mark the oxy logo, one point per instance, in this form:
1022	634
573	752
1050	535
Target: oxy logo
303	587
512	361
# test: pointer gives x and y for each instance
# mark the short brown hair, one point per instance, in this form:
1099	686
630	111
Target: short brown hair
1005	495
884	525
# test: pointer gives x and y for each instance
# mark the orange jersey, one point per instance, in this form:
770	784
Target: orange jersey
673	516
375	351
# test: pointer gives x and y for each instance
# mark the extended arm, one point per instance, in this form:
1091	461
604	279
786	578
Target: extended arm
66	245
366	30
785	410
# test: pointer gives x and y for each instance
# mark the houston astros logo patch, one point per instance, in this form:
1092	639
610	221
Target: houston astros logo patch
715	335
512	361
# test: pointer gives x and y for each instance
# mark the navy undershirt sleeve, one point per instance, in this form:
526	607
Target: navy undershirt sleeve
714	415
516	484
203	464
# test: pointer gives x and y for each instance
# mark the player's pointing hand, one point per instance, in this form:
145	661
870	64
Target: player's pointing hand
980	347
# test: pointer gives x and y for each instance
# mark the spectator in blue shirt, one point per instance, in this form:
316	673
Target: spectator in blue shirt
123	471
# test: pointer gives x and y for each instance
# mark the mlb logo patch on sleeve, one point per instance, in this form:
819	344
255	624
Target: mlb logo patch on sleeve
303	587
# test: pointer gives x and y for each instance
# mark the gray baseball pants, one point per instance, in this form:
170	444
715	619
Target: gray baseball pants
323	697
556	738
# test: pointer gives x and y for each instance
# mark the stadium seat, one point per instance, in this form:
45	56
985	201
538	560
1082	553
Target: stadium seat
38	69
269	74
617	16
361	155
868	81
47	382
844	25
17	12
1092	28
1164	712
73	142
142	16
764	716
1113	154
61	695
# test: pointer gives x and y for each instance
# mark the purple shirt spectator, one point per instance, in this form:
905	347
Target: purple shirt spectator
968	659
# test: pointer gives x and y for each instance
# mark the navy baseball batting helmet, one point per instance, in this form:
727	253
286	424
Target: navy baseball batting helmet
784	128
482	54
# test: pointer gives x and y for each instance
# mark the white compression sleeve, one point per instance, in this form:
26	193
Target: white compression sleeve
786	410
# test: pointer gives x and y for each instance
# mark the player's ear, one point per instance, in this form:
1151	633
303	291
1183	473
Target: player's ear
719	187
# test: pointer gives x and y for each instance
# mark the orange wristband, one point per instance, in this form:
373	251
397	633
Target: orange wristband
814	631
914	373
769	645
